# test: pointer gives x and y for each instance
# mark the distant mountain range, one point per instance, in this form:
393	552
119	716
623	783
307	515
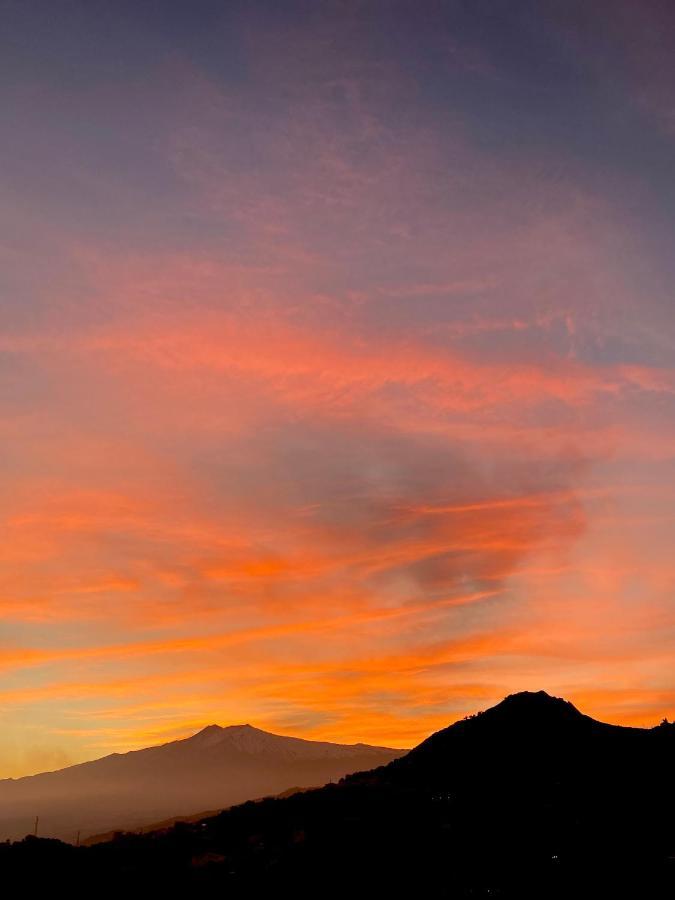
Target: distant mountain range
213	769
529	800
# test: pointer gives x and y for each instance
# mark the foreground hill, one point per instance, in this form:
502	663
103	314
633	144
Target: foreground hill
530	799
213	769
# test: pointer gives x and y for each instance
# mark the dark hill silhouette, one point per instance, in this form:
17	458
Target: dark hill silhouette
530	799
213	769
527	734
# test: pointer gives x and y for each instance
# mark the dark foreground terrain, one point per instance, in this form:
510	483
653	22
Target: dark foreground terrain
530	799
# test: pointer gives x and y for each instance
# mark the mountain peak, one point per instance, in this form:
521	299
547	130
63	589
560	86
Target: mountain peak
533	709
536	696
219	729
536	700
213	735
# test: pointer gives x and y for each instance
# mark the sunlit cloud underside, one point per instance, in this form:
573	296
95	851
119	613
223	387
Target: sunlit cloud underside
336	391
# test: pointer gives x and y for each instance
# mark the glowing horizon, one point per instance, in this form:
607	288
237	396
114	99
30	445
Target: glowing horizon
337	369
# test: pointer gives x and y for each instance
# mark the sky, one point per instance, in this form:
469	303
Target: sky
337	366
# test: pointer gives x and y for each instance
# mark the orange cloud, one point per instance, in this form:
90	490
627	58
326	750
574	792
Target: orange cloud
330	419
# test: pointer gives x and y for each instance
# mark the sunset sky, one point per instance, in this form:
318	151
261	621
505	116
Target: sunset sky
337	366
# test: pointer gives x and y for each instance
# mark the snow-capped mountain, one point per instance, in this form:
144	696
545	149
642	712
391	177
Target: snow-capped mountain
215	768
248	739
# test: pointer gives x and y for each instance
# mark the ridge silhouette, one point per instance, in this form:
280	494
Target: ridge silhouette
529	799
